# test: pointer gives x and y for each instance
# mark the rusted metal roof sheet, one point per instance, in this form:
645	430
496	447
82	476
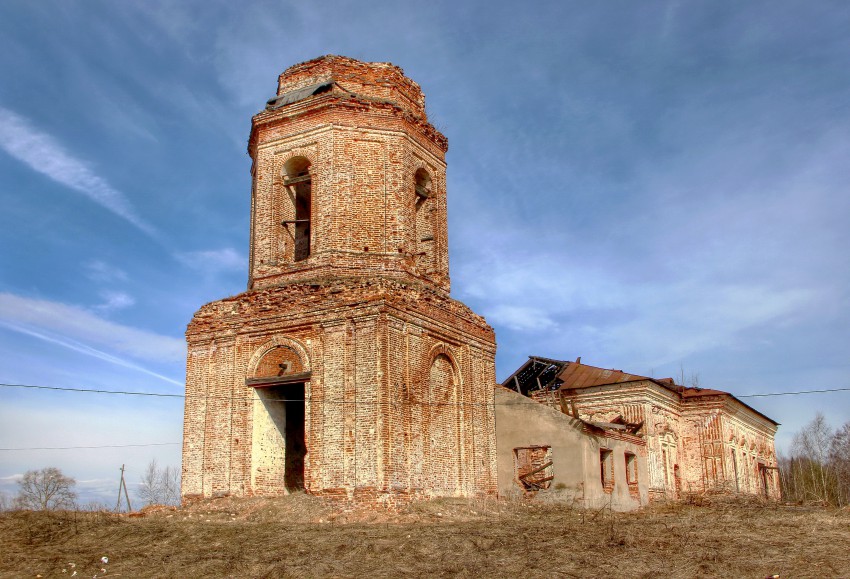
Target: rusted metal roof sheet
298	95
577	375
696	393
549	374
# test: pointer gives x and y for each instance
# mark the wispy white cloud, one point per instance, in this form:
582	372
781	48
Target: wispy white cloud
560	302
102	272
113	301
214	260
44	154
82	330
670	323
66	342
520	318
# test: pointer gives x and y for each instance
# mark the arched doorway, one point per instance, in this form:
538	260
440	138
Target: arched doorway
279	447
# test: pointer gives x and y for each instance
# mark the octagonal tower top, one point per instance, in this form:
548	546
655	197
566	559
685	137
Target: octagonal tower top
349	179
382	81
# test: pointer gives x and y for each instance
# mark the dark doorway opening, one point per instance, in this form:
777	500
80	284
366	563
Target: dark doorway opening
296	448
285	406
765	486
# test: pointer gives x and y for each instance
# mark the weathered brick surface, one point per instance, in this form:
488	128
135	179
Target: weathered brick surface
399	399
364	150
705	443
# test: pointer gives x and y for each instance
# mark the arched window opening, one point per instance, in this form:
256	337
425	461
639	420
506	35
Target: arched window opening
424	222
298	183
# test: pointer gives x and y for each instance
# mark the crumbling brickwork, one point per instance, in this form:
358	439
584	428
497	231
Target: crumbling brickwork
546	453
706	443
697	439
345	369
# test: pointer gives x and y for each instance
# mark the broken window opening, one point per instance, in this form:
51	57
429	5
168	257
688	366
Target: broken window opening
606	469
632	474
534	467
677	480
766	479
298	183
424	226
735	467
631	468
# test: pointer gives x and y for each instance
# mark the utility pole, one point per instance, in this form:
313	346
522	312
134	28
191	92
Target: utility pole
122	485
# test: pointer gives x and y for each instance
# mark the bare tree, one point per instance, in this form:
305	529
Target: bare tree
819	466
839	457
171	485
812	443
5	503
45	490
160	486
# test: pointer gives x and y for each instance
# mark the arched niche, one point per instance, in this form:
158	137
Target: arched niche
443	438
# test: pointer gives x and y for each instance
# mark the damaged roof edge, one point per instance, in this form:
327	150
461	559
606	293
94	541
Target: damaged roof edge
578	376
298	95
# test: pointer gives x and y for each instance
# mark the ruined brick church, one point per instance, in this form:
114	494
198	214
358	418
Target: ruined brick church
347	370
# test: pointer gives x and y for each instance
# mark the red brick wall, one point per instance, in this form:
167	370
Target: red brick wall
363	152
697	434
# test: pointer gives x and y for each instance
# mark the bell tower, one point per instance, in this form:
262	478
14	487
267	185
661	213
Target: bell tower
345	369
348	178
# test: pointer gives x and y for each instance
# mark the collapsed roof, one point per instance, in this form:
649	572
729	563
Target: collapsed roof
547	374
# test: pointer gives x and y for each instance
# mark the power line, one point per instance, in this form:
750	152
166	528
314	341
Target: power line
794	393
126	392
251	398
162	395
91	447
326	401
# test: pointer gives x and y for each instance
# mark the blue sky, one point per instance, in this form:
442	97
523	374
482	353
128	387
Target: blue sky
657	187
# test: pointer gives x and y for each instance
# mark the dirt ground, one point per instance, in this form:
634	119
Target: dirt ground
302	536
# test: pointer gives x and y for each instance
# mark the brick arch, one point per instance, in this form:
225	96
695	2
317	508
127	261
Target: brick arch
286	157
437	179
433	172
279	342
422	373
421	166
445	350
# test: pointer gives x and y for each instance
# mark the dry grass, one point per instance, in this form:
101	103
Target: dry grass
302	536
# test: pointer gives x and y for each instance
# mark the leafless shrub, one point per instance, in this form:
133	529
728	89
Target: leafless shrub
690	380
160	486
